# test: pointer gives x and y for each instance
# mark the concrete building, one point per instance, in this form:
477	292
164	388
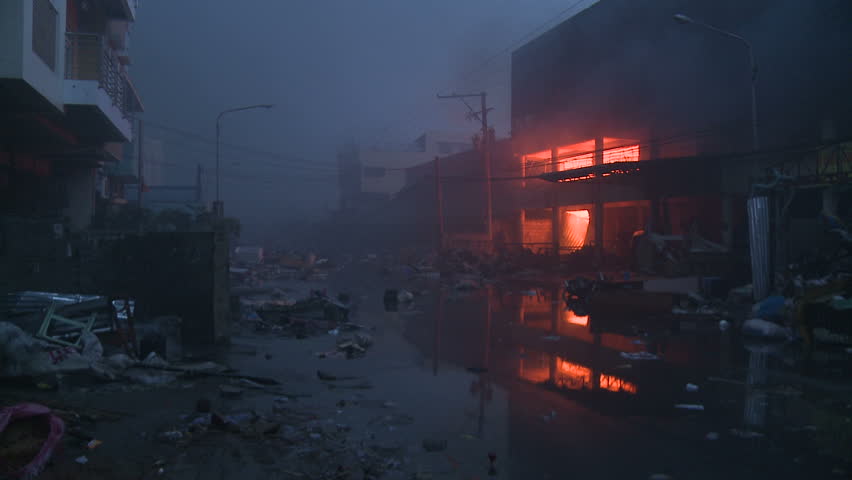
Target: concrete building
643	123
66	101
369	176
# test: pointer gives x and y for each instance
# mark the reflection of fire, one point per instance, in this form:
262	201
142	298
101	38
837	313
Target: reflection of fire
615	384
575	319
576	376
572	375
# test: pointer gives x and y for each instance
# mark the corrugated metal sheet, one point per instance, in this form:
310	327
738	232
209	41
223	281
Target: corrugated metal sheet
758	232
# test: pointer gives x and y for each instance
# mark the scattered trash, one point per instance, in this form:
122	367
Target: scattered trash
770	307
724	325
748	434
82	460
404	296
689	406
93	444
434	445
551	338
712	436
758	327
639	356
691	387
335	331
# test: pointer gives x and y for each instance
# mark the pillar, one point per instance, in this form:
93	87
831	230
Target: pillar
599	204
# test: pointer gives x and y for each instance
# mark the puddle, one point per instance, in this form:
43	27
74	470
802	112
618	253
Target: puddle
598	398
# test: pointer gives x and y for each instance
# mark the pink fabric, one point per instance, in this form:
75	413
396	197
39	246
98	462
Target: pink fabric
57	429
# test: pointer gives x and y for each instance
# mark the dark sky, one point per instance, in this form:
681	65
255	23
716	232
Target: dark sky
336	70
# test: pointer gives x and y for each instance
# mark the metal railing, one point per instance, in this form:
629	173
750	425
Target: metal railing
88	57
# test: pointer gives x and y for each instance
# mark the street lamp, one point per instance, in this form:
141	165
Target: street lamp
218	204
683	19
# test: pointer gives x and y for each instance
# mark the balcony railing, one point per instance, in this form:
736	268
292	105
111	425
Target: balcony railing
88	57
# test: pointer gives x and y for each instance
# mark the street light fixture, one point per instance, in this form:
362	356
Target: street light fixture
218	205
684	19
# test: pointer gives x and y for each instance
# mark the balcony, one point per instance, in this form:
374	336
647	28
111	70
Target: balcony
98	95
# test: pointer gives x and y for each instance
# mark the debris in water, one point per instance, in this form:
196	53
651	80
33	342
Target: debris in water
639	356
691	387
689	406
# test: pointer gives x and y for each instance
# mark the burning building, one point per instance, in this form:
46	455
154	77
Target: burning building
640	122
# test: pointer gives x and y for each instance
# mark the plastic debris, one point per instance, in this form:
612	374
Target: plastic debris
748	434
93	444
30	455
82	460
689	406
639	356
712	436
724	325
551	338
691	387
758	327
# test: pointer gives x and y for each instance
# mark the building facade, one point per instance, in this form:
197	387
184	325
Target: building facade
643	123
66	105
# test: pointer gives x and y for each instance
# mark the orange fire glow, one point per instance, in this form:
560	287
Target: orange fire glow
577	155
575	319
575	226
573	375
621	154
615	384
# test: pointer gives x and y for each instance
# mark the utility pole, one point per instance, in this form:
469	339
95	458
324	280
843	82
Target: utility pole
139	165
485	145
439	205
198	173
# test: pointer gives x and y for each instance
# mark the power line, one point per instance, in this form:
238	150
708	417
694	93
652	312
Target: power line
202	139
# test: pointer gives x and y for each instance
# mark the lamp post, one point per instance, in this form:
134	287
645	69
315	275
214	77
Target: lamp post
683	19
217	208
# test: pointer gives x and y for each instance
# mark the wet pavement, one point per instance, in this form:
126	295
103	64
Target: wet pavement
505	372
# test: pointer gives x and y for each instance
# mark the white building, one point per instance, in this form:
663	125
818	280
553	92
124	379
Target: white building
371	174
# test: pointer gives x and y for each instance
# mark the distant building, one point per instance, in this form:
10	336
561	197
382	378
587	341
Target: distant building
370	175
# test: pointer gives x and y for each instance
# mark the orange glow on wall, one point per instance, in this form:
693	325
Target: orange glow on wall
621	154
578	155
536	163
575	226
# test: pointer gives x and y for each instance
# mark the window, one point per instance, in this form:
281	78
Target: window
375	172
44	32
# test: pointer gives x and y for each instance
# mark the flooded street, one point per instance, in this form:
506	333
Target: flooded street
554	394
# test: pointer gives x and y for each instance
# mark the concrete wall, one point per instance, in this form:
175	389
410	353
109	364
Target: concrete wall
11	26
